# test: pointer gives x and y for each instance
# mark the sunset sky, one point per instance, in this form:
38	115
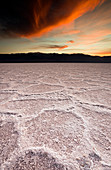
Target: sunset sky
56	26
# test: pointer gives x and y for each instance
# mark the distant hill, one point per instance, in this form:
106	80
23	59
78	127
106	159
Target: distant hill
52	57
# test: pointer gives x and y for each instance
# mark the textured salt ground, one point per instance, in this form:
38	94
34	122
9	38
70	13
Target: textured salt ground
55	116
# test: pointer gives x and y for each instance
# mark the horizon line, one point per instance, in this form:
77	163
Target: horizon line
54	53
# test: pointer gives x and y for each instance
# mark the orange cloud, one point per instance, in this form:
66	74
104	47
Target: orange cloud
71	41
37	17
50	14
59	47
63	47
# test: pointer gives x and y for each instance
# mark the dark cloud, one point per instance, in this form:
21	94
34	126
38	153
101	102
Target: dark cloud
32	18
59	47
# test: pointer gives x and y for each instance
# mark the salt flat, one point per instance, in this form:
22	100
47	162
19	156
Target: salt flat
55	116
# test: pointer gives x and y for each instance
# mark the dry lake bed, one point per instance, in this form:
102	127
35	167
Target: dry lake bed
55	116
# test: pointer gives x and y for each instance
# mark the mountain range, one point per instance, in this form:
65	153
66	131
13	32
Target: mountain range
52	57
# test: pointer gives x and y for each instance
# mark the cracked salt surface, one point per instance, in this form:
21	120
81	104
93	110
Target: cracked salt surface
55	116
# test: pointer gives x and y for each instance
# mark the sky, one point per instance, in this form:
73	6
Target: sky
56	26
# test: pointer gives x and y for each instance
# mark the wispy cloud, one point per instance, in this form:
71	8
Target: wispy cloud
35	18
58	47
94	36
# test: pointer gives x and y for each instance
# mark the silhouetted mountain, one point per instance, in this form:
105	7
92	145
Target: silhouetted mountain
52	57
